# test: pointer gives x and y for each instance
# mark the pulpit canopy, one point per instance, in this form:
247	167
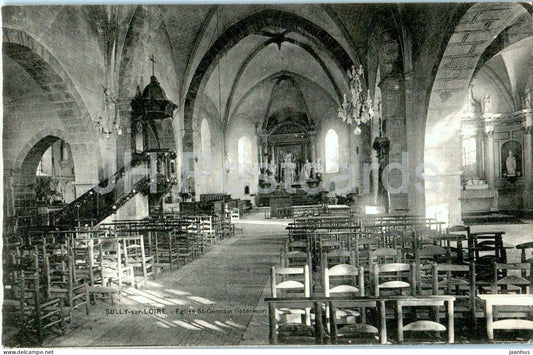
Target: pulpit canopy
153	103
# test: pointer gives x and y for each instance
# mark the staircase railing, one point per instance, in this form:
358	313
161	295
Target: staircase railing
144	174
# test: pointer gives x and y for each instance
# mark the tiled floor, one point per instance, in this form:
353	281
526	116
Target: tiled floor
216	300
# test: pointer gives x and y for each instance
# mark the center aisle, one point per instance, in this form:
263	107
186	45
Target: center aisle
209	302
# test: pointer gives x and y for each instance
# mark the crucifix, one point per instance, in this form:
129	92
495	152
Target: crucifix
152	59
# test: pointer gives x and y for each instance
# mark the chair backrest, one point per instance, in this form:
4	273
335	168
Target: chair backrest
393	276
295	259
385	255
298	245
425	325
432	253
285	280
451	279
512	278
459	229
344	279
338	256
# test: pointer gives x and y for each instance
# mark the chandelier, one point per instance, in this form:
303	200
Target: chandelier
355	108
108	123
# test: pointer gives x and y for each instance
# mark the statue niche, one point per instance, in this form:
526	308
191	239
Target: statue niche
511	160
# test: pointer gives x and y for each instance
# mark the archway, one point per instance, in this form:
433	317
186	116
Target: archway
248	26
442	152
64	115
44	174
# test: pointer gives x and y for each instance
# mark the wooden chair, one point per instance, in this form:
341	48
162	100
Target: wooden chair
507	301
463	231
115	272
363	332
100	286
87	261
184	245
524	258
208	230
344	280
460	282
296	332
292	324
195	238
425	258
422	324
165	250
60	281
134	255
38	316
234	215
363	245
347	281
512	278
298	245
399	278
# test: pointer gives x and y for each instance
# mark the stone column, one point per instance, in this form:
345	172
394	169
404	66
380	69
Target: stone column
313	142
393	110
489	154
260	151
528	161
187	162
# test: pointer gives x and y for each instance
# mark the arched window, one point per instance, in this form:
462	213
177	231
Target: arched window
332	152
205	138
244	153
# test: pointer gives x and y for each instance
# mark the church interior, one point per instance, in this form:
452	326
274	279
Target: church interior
262	174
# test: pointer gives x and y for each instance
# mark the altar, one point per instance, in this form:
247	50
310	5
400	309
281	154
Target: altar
287	150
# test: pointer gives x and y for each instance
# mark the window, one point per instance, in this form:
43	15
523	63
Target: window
244	154
469	151
205	138
332	152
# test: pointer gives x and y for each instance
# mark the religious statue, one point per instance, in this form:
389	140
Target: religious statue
472	105
307	170
510	164
290	168
487	104
271	171
319	169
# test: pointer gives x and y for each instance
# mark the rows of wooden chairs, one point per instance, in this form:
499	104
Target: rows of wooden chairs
54	274
40	293
405	258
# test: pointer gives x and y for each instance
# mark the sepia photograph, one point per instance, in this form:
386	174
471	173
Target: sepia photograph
267	175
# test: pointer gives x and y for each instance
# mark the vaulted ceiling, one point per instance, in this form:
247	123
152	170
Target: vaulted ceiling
223	51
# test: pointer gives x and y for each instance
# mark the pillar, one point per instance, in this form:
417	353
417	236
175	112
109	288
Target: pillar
393	110
489	154
528	161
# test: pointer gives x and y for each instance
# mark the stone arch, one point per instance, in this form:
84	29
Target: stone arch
272	78
477	29
48	73
247	26
28	158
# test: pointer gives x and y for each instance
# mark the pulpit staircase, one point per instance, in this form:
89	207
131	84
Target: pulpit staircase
149	173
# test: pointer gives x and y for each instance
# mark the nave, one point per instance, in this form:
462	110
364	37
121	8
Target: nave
385	152
231	276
